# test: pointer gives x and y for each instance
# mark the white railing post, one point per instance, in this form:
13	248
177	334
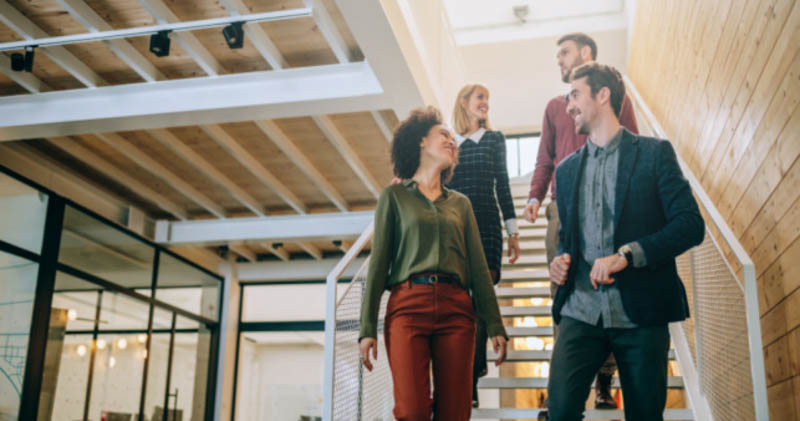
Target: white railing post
331	298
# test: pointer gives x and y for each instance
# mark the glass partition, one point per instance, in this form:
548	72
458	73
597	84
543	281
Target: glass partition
24	209
187	287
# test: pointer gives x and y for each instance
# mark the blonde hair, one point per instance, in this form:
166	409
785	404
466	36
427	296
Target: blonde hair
460	118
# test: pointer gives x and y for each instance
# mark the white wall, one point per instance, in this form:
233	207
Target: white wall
522	76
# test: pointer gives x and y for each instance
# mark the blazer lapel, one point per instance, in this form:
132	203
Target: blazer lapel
628	153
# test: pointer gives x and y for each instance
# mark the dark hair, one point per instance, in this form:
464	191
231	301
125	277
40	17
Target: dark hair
582	40
407	138
599	76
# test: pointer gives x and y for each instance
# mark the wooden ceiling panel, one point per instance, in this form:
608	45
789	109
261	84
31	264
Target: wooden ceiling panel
300	42
273	159
364	135
177	65
318	149
240	60
53	74
263	6
104	62
9	87
109	154
196	139
49	16
122	13
79	168
390	118
185	171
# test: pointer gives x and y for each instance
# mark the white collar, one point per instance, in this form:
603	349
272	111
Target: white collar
476	137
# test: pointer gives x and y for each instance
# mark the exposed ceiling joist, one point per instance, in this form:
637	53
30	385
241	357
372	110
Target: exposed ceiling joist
348	153
298	158
387	133
201	164
254	166
339	88
187	41
270	229
257	36
329	30
311	249
243	251
25	27
122	48
292	270
280	253
344	245
122	146
27	80
73	148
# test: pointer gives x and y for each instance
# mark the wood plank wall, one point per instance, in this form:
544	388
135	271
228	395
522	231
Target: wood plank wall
723	78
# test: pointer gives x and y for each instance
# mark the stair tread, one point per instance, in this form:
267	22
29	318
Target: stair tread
529	331
673	382
537	355
527	245
510	292
590	414
526	275
509	311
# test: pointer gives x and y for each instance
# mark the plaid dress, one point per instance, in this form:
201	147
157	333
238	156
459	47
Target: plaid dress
482	176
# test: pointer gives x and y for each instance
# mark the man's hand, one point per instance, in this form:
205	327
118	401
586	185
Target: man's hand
364	347
604	267
559	268
513	249
499	344
531	211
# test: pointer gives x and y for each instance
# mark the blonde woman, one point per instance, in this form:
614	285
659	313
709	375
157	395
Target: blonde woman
482	176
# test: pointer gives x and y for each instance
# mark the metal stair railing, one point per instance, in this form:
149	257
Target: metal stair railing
719	349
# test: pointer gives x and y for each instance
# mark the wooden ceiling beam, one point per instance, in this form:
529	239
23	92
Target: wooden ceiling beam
122	48
387	133
245	158
88	157
162	14
298	158
348	153
244	251
25	27
124	147
172	142
280	253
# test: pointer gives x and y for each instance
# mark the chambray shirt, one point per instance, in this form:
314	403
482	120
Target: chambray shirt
596	198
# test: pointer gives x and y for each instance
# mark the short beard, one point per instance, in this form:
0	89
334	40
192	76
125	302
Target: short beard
565	76
583	129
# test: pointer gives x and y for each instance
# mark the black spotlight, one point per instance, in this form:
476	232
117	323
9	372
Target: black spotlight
21	62
159	43
234	35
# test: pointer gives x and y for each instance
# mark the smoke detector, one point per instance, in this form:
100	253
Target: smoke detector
521	12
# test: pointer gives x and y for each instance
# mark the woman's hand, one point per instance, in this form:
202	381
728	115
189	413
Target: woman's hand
513	248
499	344
396	180
364	347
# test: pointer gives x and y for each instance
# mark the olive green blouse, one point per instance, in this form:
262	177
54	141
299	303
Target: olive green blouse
414	235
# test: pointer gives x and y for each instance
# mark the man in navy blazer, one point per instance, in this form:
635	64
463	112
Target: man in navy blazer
627	212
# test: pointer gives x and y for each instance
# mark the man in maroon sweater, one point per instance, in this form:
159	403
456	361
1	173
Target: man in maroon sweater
559	140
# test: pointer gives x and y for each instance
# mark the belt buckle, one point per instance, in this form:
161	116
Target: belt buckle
434	279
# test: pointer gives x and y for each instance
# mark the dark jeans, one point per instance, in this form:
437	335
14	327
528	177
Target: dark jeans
582	348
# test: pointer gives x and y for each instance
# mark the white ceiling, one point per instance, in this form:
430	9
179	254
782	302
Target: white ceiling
472	14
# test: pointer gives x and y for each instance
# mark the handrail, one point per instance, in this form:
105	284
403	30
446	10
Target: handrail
748	284
331	302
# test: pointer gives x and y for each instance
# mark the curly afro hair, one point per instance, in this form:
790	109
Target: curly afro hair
407	139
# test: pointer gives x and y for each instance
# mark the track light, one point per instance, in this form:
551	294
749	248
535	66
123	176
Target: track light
21	62
234	35
159	43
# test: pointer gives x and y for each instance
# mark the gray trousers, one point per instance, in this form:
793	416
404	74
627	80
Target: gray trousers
551	248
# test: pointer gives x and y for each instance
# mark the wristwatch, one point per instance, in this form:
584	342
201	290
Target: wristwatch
627	253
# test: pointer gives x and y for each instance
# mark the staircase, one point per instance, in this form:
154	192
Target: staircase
524	294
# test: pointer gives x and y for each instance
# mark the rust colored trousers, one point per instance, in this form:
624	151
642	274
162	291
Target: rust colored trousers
430	325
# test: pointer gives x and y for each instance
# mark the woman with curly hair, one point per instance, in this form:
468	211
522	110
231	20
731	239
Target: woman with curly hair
482	176
427	251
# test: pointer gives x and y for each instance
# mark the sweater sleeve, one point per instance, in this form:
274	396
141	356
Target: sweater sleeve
545	159
379	264
480	281
501	179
